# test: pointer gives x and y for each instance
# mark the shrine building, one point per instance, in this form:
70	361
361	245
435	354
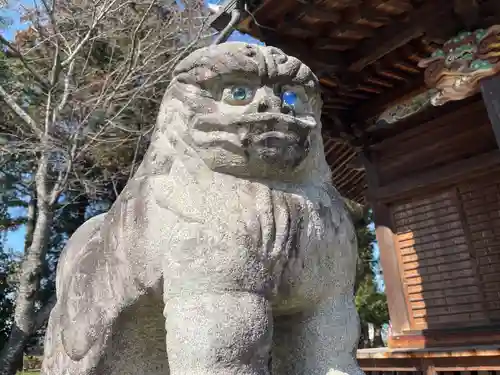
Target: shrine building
411	126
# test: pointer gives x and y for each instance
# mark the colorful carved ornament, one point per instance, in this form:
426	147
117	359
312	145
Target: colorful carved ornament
405	108
456	69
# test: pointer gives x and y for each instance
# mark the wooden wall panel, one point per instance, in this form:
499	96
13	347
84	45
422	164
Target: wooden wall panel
450	138
449	244
446	218
439	269
481	204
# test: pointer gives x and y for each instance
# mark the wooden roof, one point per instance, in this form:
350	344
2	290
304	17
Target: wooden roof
365	53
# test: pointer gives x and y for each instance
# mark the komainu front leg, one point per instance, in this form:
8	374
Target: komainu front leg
321	342
218	334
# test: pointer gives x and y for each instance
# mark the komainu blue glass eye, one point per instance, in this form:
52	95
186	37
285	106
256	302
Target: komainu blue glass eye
240	93
289	98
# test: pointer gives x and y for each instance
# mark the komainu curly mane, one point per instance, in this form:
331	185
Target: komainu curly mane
228	247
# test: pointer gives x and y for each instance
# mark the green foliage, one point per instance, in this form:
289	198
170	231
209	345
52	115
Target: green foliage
32	363
370	302
366	261
12	208
12	188
9	264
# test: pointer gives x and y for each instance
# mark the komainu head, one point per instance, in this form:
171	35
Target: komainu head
245	110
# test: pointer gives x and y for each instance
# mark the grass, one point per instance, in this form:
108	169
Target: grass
32	362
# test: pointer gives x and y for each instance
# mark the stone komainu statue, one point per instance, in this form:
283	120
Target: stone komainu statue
229	252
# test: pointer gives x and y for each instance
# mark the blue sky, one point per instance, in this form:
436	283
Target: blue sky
236	35
12	14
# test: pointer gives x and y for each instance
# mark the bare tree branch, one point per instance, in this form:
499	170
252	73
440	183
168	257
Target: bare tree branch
93	74
20	112
97	17
26	64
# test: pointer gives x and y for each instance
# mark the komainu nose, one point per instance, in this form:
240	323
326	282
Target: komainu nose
262	107
272	104
269	103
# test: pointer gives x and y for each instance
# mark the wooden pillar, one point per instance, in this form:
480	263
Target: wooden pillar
389	256
490	88
389	259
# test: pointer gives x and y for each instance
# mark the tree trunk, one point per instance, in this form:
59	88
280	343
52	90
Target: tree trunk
364	341
29	281
377	341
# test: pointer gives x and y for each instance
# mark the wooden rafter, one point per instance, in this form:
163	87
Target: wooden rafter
397	34
377	105
319	12
468	11
331	61
383	42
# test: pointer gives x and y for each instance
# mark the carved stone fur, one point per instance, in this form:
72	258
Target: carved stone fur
228	248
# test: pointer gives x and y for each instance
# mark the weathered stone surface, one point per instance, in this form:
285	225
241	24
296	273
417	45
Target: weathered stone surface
229	252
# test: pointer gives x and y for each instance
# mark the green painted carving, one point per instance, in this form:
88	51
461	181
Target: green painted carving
405	108
455	70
